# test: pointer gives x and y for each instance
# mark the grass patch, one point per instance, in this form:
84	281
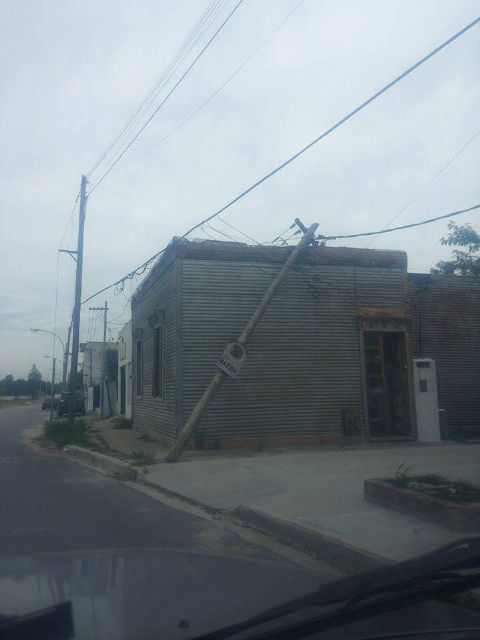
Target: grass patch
142	458
437	486
61	433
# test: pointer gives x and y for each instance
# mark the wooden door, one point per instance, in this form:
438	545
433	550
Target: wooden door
386	385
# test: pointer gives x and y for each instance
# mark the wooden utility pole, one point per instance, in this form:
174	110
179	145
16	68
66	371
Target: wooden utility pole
72	387
219	378
104	356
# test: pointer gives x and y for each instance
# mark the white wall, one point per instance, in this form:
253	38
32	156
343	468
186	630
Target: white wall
125	360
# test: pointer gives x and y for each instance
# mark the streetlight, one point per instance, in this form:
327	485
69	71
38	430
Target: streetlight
65	354
52	334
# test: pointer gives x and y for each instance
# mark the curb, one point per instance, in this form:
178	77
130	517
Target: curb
327	548
119	468
331	550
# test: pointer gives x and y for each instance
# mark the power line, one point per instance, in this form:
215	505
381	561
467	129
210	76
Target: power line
119	316
192	38
238	231
405	226
338	123
70	218
298	153
141	269
427	184
218	89
281	234
182	77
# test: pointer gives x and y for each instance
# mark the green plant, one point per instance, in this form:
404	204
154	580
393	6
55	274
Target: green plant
62	432
142	458
401	475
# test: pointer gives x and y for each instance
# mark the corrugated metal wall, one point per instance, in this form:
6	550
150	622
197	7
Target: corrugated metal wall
446	327
303	365
153	413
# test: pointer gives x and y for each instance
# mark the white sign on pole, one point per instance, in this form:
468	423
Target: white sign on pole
231	360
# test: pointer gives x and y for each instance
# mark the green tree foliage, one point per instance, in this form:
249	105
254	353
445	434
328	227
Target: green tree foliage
10	386
464	261
34	379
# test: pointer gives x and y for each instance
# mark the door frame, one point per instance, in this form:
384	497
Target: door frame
409	389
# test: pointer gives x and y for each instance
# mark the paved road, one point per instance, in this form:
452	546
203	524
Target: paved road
132	566
52	504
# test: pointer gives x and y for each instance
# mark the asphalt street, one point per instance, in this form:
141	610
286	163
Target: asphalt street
52	504
132	566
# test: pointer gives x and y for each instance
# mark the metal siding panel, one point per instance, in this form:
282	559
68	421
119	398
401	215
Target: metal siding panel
446	327
151	413
303	364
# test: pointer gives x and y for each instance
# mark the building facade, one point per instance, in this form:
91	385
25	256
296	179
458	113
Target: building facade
328	362
92	374
125	370
445	312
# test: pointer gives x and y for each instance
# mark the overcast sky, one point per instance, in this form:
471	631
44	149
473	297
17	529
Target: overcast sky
74	71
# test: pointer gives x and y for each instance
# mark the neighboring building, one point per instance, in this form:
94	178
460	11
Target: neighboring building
125	370
446	327
92	372
313	372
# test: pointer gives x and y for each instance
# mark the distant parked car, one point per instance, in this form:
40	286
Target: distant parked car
64	404
50	403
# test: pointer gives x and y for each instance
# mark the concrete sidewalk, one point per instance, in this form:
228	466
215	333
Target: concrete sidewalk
322	489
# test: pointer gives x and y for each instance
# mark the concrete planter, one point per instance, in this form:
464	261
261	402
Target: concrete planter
455	517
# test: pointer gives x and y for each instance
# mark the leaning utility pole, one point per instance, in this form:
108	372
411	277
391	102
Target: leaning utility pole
104	356
72	387
235	353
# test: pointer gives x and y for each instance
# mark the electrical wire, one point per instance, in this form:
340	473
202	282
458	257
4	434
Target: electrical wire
182	77
301	151
221	233
70	218
238	231
404	226
190	41
427	184
121	314
141	269
281	234
217	90
340	122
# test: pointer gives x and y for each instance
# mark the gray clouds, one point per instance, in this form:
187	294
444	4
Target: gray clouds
73	72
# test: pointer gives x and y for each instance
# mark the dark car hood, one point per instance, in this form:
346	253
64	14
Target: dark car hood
168	593
149	593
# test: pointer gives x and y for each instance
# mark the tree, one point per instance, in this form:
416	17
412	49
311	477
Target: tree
7	386
34	379
463	262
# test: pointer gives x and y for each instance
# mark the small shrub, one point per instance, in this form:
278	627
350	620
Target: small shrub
142	458
401	475
62	433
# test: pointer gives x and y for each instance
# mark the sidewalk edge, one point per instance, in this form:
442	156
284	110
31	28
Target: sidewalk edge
325	547
118	467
